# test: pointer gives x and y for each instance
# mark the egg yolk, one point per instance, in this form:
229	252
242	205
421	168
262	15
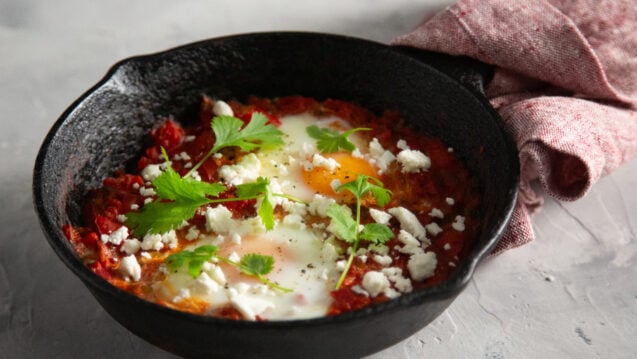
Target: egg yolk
320	178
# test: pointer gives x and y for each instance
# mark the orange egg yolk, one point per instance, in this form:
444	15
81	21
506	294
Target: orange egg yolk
320	178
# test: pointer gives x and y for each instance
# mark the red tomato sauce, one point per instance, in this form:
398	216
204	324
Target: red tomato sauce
420	192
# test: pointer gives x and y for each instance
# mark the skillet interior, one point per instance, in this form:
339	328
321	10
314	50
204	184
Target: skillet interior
105	127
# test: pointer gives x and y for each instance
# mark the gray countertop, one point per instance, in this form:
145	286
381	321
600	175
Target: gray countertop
570	293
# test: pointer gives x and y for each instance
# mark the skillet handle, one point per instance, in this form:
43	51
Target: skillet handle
471	73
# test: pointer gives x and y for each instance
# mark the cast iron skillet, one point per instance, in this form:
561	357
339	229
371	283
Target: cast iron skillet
104	129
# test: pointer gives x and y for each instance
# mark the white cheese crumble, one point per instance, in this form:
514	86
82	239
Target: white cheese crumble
319	205
121	218
134	207
422	265
379	216
433	228
383	260
205	285
221	108
375	283
409	222
249	306
131	246
402	144
193	233
413	161
450	201
150	172
320	161
116	237
436	213
407	239
152	241
130	269
245	171
147	192
458	224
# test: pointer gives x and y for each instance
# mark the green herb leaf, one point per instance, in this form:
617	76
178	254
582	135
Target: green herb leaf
193	259
177	201
346	228
256	265
256	134
342	224
329	140
376	233
260	189
361	186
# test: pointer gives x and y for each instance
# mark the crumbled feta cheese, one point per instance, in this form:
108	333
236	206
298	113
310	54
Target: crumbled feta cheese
319	205
130	269
379	249
422	266
190	138
395	275
458	224
134	207
375	283
402	144
379	216
116	237
320	161
249	306
413	161
450	201
148	200
452	264
170	239
150	172
363	258
217	274
294	221
221	108
357	153
245	171
152	241
436	213
234	257
407	239
193	233
219	219
196	176
447	246
235	238
293	207
340	265
121	218
384	160
433	228
383	260
147	192
146	255
205	285
375	148
131	246
409	222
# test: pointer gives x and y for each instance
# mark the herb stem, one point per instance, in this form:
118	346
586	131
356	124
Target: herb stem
354	246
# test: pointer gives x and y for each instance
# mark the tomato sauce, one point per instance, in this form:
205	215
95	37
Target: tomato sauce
447	186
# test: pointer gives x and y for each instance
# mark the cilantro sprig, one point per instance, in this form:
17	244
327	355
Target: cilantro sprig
228	133
347	228
178	198
329	140
254	265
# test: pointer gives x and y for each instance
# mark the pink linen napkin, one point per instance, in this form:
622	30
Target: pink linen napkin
565	83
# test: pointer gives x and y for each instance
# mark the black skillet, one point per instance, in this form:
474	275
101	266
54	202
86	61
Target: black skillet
104	129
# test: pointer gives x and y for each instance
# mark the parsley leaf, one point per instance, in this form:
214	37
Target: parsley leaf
345	227
193	259
177	200
260	189
342	224
256	264
228	133
329	140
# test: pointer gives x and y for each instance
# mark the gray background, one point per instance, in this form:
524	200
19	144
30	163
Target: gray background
571	293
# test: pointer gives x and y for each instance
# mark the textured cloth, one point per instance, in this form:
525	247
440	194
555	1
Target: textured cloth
565	83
